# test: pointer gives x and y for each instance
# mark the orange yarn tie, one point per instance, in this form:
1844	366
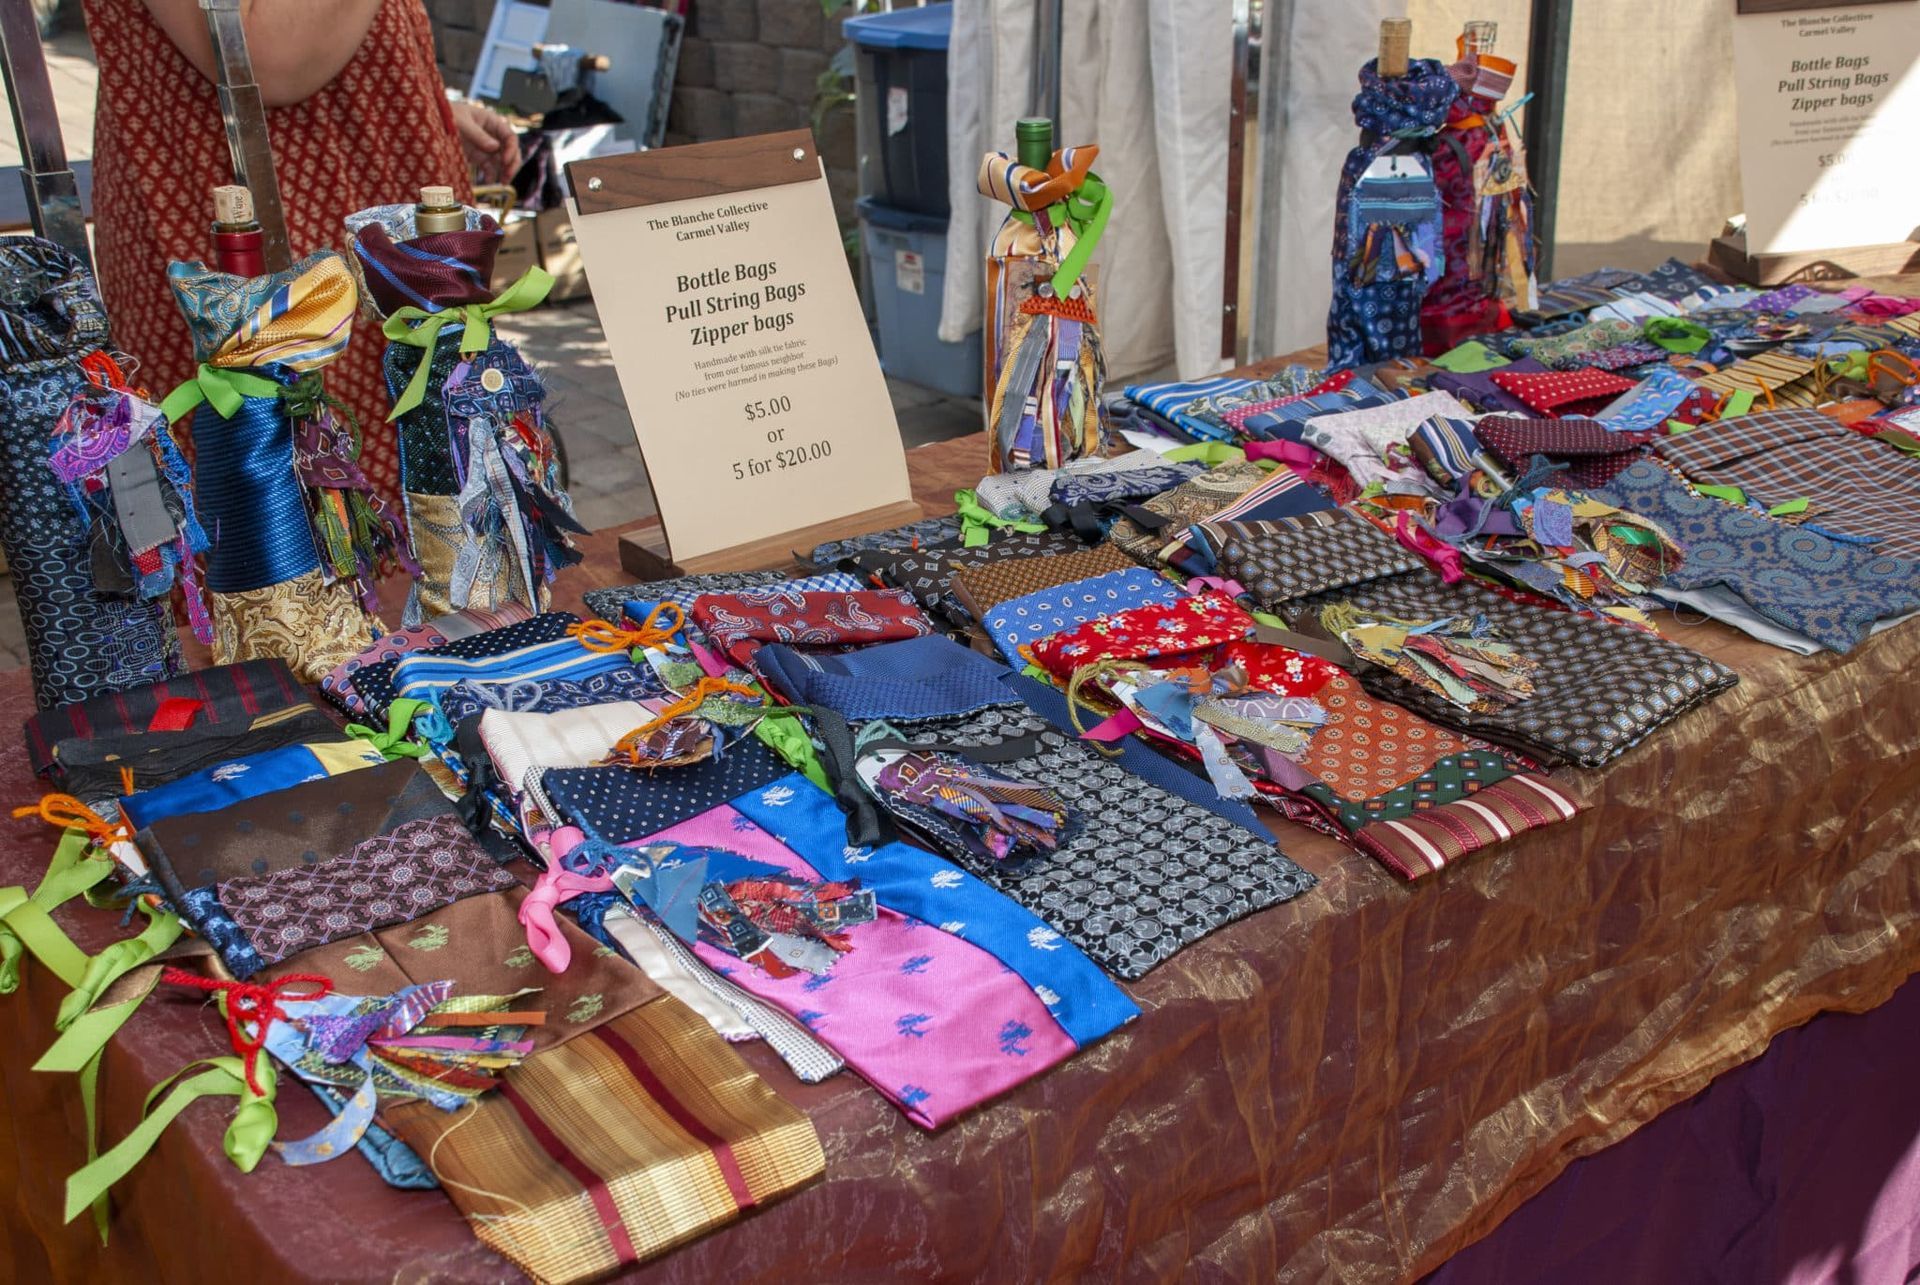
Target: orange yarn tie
627	748
603	636
69	813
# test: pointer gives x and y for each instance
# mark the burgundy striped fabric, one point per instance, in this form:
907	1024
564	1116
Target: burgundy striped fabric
435	271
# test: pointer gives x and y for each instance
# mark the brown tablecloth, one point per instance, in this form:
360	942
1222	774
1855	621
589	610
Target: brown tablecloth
1351	1086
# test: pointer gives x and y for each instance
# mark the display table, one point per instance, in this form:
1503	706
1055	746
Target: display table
1354	1085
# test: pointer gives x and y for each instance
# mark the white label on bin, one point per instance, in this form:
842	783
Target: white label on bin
897	107
910	272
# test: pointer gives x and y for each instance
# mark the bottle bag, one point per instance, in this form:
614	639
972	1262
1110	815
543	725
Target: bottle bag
1480	169
1045	366
89	570
298	536
487	515
1387	245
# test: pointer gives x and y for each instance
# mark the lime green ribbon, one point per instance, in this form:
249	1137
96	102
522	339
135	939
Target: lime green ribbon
1852	365
418	328
1211	454
788	738
978	522
1734	495
1676	334
81	1048
1731	494
26	922
110	965
221	387
84	1030
393	743
1088	208
1739	402
248	1135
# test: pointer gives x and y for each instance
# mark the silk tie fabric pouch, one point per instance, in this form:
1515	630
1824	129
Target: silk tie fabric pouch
88	629
221	694
1600	689
299	537
642	1134
1045	365
1276	561
488	516
1387	247
1487	211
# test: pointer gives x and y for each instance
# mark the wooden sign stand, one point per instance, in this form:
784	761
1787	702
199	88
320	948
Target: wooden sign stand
1729	254
741	348
645	554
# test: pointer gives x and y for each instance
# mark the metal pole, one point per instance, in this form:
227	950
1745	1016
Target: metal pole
1276	44
53	195
1237	99
1547	43
1044	90
245	116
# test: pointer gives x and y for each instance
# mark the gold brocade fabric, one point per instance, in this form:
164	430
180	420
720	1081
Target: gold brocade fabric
312	625
613	1148
438	533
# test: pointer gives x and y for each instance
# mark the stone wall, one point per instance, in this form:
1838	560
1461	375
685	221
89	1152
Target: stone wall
746	67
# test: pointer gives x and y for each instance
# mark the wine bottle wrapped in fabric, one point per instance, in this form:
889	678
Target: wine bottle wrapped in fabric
1045	364
488	515
95	621
1387	245
298	534
1480	170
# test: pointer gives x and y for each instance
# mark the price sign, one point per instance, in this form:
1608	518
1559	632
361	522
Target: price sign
722	284
1827	113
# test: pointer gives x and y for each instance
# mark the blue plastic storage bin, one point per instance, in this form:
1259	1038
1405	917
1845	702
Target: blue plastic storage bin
903	80
907	255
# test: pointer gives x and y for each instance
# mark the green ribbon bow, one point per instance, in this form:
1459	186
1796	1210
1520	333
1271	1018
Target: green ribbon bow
978	522
1731	494
1676	334
787	737
1211	454
26	922
418	328
249	1133
221	387
1087	208
393	743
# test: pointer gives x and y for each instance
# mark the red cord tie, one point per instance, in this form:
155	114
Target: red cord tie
247	1002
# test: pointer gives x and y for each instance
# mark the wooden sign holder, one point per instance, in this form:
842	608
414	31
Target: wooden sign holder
1729	254
729	167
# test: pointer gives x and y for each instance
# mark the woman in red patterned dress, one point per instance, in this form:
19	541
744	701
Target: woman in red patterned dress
357	116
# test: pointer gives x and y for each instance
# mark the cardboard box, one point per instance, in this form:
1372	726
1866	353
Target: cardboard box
560	256
519	250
